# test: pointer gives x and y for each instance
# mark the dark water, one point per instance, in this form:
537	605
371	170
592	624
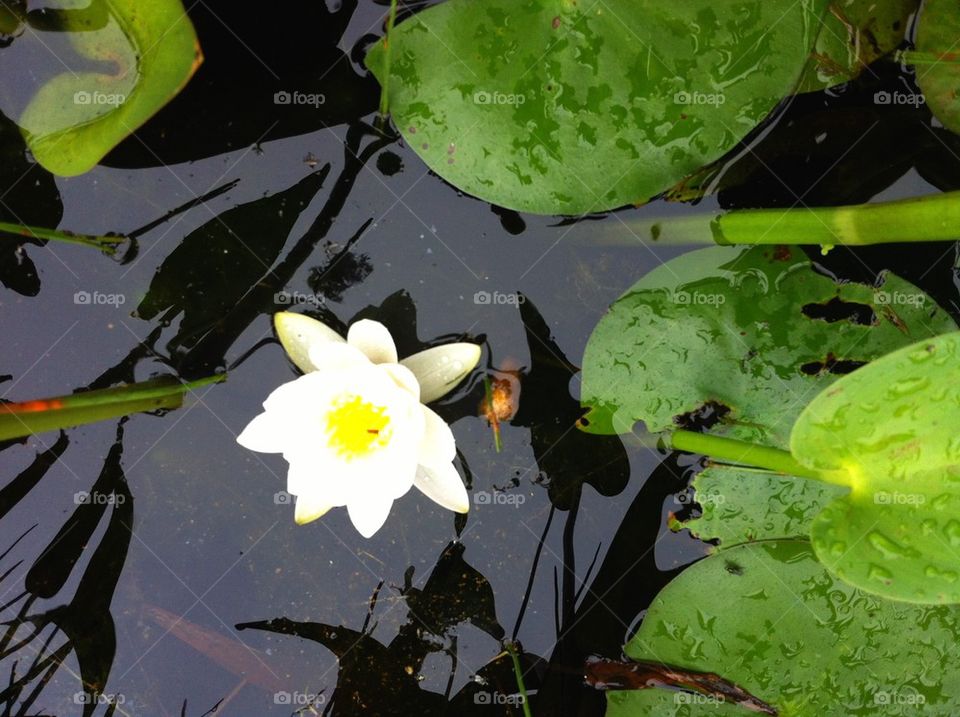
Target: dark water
142	597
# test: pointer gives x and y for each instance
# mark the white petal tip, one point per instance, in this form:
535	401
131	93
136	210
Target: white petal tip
307	512
443	485
440	369
374	339
297	333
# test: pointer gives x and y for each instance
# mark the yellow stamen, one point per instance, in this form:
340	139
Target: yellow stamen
356	427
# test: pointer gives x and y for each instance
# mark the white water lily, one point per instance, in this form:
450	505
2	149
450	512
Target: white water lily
354	429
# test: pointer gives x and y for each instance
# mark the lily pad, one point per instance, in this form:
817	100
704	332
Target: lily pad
565	108
797	638
891	432
143	52
740	505
938	61
753	334
854	34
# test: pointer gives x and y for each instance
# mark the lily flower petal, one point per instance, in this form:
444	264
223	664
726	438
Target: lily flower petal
438	444
374	340
442	484
403	377
441	368
369	515
297	333
264	434
309	509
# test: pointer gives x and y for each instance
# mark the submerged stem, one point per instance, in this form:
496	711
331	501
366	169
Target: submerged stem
106	244
511	648
917	219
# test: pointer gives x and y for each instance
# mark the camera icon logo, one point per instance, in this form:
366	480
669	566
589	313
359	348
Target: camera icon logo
882	97
82	297
681	98
482	498
482	97
82	97
281	497
482	297
282	98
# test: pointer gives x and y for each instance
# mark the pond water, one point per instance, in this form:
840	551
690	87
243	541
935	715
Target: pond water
309	208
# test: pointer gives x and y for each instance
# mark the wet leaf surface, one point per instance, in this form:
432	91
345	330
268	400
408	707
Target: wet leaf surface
567	108
772	619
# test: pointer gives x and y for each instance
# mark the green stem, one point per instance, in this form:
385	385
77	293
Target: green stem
384	91
511	648
106	244
917	219
742	453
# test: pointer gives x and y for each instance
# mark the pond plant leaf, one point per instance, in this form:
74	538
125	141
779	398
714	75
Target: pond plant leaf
855	33
800	639
566	108
754	334
143	52
936	58
740	505
891	433
48	414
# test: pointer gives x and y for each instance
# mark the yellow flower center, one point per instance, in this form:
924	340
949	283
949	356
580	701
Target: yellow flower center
356	427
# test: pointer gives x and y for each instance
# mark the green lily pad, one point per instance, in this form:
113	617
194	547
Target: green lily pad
49	414
739	505
565	108
938	60
771	619
854	34
142	54
754	333
891	432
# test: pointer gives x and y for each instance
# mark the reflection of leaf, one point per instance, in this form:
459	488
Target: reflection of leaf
854	34
77	117
756	331
30	196
800	639
939	74
454	593
22	419
556	107
566	457
892	432
219	262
